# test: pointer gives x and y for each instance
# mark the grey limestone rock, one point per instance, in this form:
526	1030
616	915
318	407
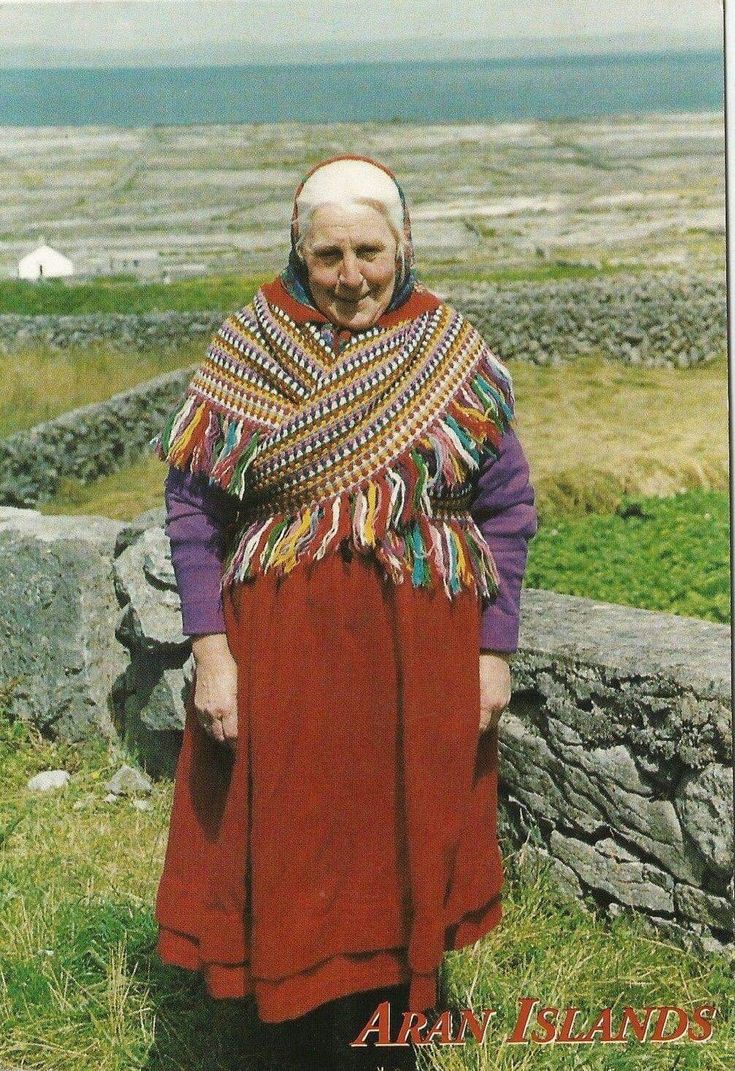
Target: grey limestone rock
700	906
616	755
145	582
704	802
127	781
57	649
47	780
608	867
150	697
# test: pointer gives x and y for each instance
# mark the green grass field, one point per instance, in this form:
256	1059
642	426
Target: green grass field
58	297
81	988
669	554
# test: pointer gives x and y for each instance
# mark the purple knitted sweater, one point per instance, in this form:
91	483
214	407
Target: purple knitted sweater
503	509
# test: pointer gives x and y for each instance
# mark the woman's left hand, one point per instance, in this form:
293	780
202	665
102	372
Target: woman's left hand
494	687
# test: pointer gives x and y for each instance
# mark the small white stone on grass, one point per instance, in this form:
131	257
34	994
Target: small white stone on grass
142	805
111	798
127	781
49	779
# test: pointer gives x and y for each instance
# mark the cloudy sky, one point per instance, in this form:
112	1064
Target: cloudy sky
271	30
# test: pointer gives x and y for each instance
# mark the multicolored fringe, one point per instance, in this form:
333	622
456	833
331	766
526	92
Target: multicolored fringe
199	439
427	550
390	514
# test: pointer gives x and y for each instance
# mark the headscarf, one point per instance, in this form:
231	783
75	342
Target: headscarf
349	186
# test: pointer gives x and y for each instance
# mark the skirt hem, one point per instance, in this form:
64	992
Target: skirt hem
339	975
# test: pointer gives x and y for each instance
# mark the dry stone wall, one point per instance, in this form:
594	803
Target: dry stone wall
615	756
88	442
671	319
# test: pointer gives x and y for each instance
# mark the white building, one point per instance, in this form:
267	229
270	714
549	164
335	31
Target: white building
44	263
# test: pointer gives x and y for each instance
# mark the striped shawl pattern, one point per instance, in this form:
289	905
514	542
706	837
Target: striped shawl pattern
374	446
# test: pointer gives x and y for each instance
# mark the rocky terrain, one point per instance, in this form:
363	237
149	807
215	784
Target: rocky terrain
621	192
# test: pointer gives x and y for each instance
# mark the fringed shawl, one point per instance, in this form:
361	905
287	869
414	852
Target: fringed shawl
374	447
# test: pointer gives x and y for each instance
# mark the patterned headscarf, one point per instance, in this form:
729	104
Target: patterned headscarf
295	276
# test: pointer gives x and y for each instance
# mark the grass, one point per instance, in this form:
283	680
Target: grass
42	383
122	495
122	294
669	554
593	429
81	988
597	430
56	297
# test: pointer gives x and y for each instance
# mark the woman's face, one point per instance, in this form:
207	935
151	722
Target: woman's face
350	257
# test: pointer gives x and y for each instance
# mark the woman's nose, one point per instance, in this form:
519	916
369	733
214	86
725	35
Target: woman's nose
349	273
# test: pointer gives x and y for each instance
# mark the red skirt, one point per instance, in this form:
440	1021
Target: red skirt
351	839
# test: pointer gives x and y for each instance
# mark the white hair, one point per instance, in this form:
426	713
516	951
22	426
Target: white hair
350	184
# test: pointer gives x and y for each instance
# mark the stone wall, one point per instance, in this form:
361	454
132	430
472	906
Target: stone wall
616	753
58	650
131	331
88	442
616	756
652	321
670	319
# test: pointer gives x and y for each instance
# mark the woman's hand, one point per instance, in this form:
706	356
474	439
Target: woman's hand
494	687
215	688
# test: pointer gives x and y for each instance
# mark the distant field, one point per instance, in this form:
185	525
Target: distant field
602	193
57	297
593	430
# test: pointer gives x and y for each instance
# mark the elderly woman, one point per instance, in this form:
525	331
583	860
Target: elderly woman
349	512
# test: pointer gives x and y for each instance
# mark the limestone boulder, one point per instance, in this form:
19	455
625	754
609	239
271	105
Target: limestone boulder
58	651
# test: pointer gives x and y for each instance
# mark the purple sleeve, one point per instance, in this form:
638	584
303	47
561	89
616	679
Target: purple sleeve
504	511
196	515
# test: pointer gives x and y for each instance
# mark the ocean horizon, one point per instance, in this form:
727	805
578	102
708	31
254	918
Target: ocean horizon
452	91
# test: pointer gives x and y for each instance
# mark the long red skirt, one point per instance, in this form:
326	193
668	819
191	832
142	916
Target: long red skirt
351	838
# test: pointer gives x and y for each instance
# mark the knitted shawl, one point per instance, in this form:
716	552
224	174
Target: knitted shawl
375	446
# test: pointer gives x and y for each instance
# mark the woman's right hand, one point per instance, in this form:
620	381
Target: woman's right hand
215	688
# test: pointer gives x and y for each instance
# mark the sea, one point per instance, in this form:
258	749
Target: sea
452	91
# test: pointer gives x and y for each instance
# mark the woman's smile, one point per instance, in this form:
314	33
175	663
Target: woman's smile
346	300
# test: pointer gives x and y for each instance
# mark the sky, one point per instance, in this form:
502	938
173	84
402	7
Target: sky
232	30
